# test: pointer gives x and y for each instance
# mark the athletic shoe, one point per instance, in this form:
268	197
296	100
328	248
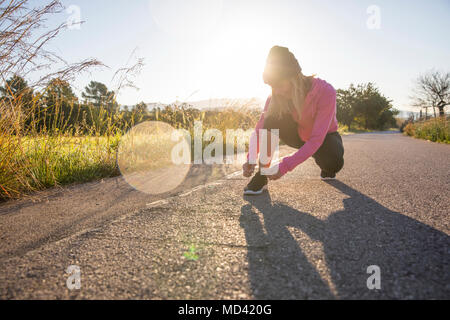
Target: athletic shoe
325	176
257	185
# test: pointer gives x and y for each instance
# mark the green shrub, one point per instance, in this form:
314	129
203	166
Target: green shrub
436	130
409	129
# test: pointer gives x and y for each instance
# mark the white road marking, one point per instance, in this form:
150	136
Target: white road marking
159	202
201	187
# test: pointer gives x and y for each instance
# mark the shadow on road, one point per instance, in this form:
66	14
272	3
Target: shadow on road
102	203
413	257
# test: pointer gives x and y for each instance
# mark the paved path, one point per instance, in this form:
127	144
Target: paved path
304	239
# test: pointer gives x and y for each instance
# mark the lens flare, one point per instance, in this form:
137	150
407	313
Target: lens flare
145	158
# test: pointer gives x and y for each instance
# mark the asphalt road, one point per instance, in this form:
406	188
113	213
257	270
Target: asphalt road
304	239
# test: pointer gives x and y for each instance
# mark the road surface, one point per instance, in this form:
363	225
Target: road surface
304	239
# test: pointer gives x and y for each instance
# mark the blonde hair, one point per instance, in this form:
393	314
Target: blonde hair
281	66
280	105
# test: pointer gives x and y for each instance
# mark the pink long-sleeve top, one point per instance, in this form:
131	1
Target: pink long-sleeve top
318	119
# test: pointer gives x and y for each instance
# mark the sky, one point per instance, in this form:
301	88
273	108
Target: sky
205	49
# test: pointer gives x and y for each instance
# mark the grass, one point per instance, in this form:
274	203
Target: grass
435	130
191	254
34	163
33	158
344	130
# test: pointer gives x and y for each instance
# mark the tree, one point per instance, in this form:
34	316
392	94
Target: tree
17	88
432	91
364	104
140	108
372	107
97	93
59	105
17	94
387	118
59	90
345	112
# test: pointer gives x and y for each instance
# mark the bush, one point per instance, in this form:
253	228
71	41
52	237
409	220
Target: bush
436	130
408	129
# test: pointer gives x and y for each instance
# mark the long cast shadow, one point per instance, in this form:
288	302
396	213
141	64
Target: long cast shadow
413	257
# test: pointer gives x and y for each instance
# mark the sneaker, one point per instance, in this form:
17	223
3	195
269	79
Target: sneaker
257	185
325	176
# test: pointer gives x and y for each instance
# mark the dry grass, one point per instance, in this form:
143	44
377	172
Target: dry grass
436	130
34	158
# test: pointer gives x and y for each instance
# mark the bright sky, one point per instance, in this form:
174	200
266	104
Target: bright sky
201	49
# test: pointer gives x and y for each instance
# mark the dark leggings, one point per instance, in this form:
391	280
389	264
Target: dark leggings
329	157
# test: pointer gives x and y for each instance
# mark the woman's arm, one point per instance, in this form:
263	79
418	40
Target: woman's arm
258	127
326	111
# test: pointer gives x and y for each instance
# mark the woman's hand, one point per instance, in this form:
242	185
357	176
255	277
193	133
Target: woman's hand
275	176
248	169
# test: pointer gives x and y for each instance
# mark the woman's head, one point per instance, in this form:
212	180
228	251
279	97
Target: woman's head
281	65
282	88
289	86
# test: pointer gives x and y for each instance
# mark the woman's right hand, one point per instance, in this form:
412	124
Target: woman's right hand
248	169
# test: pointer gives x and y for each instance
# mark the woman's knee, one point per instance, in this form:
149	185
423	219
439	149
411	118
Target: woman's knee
330	156
339	164
331	164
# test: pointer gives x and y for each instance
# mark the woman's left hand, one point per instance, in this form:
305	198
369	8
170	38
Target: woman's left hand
275	176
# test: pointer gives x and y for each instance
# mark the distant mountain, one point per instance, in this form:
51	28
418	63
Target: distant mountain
214	103
238	102
153	105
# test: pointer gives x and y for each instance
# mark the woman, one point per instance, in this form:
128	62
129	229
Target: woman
303	109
